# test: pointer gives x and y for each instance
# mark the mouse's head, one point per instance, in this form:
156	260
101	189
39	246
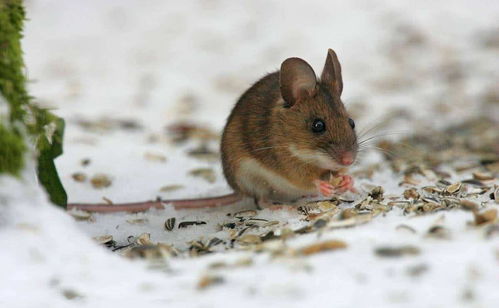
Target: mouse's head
313	119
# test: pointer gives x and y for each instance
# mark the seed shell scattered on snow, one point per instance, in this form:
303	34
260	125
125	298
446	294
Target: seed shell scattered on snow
79	176
100	180
322	246
170	224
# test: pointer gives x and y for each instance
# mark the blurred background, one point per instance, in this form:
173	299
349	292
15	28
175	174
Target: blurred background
122	72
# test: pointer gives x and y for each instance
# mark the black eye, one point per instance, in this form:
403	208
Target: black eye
318	126
352	123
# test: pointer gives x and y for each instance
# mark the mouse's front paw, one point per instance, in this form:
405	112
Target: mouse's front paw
346	184
325	188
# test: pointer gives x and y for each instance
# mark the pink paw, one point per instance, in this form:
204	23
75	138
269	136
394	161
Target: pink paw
346	184
324	188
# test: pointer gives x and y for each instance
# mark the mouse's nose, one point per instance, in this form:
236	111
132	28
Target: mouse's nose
346	158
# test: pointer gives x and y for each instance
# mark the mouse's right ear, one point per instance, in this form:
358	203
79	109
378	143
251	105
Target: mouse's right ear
297	80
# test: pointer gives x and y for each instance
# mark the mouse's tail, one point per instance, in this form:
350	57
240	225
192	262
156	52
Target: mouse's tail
178	204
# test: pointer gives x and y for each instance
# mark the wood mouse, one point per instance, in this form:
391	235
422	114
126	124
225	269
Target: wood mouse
284	139
288	132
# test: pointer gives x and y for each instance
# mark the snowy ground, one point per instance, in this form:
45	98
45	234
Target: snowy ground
121	72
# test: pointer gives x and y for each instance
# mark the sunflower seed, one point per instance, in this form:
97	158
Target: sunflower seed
322	246
400	251
482	176
485	217
245	214
79	176
185	224
453	188
170	224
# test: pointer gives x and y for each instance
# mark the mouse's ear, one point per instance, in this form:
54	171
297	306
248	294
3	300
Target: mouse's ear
297	79
331	74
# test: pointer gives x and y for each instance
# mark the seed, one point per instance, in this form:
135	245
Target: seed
81	215
469	205
100	181
482	176
185	224
322	246
208	280
205	173
137	221
453	188
400	251
169	188
170	224
214	242
473	182
103	239
156	157
79	176
270	223
144	239
485	217
249	239
439	232
411	193
107	200
405	227
85	162
245	214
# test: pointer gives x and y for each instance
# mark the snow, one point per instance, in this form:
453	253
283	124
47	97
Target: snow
139	60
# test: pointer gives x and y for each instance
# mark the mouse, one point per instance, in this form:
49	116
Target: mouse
287	137
288	133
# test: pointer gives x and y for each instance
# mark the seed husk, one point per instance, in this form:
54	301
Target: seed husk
155	157
144	239
170	223
469	205
405	227
400	251
377	193
214	242
249	239
453	188
208	281
482	176
137	221
322	246
473	182
439	232
103	239
185	224
81	215
485	217
79	177
206	173
411	193
245	214
169	188
100	180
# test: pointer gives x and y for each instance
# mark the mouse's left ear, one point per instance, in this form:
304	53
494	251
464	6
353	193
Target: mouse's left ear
331	74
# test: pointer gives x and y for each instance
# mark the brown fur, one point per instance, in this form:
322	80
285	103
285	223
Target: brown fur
262	124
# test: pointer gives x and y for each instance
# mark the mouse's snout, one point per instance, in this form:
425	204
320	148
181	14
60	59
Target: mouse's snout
346	158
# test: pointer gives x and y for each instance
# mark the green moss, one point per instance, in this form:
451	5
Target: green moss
12	87
12	150
12	78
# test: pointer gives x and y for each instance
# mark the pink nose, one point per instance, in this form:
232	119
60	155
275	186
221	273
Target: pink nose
346	159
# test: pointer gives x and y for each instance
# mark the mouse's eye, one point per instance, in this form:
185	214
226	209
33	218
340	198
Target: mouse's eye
351	122
318	126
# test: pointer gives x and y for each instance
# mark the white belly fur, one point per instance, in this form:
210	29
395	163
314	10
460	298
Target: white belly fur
263	183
